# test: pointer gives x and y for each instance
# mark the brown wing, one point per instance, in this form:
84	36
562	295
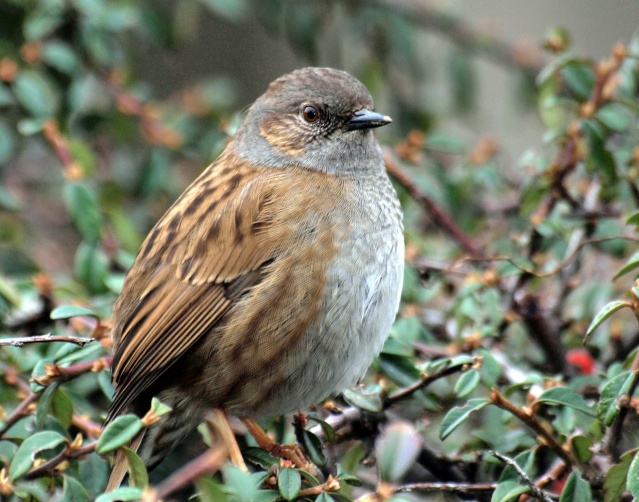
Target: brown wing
208	248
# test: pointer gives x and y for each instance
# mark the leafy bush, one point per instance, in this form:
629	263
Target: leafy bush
484	390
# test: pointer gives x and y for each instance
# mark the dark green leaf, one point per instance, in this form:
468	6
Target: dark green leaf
7	144
313	447
631	264
324	497
467	383
614	116
138	476
576	489
29	449
615	483
259	457
632	481
118	433
82	204
604	314
124	493
508	490
68	311
326	428
579	78
580	446
607	408
209	490
289	483
566	397
73	491
455	417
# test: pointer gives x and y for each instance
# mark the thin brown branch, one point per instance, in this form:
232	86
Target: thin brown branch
535	490
51	467
439	216
526	416
23	410
54	373
461	488
208	462
48	338
426	380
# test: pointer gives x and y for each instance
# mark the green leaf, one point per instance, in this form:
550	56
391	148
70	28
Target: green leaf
209	490
60	56
259	457
579	78
326	428
369	401
241	484
124	493
289	483
90	267
73	491
396	450
607	408
467	383
566	397
576	489
7	144
508	490
324	497
313	447
266	496
35	93
82	204
118	433
138	476
159	408
29	449
604	314
631	264
231	10
632	481
68	311
580	446
614	116
633	219
455	417
615	482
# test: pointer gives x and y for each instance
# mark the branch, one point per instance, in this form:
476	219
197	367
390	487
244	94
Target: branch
23	410
536	491
55	373
426	380
73	450
526	416
48	338
439	216
462	488
208	462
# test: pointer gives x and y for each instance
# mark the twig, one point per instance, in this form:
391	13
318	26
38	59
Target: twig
21	411
463	488
440	217
48	338
526	416
537	492
54	373
426	380
73	450
208	462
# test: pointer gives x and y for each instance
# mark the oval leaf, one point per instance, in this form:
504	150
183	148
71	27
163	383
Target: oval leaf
118	433
289	483
396	450
604	314
455	417
467	383
615	483
124	493
576	489
138	476
566	397
607	408
29	449
68	311
508	490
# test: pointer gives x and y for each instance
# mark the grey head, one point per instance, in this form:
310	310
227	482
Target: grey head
317	118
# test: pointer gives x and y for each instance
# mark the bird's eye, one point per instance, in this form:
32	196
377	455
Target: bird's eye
310	113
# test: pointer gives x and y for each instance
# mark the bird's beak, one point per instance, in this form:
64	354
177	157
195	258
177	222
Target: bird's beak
367	119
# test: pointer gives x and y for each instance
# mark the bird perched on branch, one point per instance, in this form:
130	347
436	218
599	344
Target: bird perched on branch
274	279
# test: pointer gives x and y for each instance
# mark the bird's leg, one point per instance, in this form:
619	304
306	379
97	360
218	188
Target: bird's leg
291	452
226	434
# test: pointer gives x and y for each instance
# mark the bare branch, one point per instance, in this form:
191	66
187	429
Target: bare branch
537	492
47	338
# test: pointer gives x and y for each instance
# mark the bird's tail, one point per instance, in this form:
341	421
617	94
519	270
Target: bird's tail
120	465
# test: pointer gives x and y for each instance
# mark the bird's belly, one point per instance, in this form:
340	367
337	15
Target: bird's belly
360	303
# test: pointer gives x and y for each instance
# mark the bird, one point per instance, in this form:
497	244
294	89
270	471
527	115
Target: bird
273	280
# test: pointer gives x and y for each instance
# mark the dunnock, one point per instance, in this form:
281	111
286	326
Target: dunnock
274	279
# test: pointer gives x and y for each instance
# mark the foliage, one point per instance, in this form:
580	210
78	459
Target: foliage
484	388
